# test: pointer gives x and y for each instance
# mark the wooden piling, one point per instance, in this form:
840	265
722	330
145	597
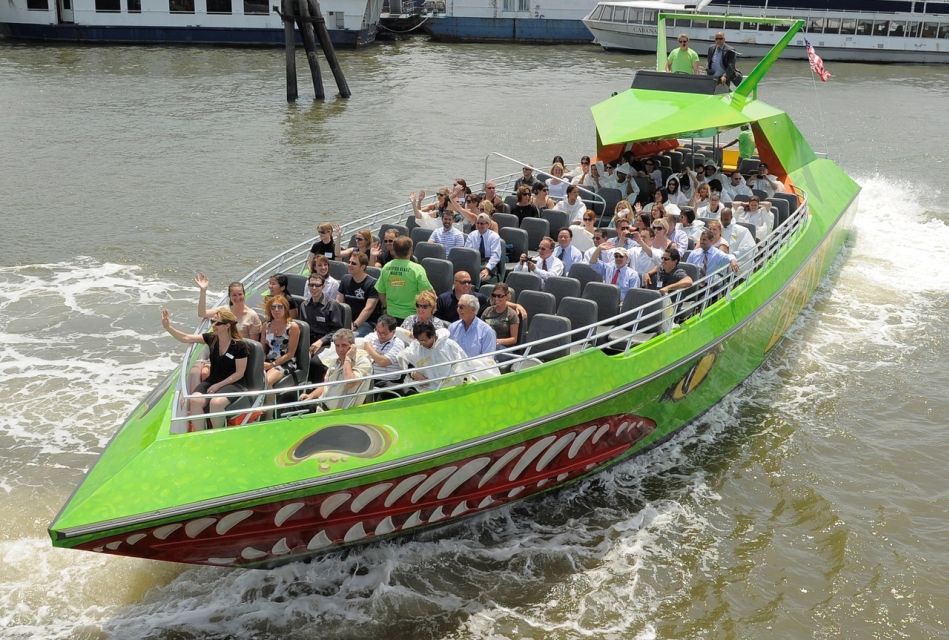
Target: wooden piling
290	45
305	24
324	36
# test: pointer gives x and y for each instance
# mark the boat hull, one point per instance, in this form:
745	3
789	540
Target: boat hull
525	30
628	403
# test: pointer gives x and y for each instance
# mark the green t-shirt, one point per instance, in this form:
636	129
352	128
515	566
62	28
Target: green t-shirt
682	61
746	144
400	281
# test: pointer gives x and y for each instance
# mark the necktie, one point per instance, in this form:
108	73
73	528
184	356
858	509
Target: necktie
560	255
705	261
615	276
544	264
484	251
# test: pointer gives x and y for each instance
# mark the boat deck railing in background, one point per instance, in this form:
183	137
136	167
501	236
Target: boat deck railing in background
616	335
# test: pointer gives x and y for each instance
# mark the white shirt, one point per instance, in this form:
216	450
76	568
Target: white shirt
449	238
582	239
492	244
693	231
730	190
443	353
644	260
554	267
769	184
705	212
575	211
557	189
390	350
739	240
625	276
762	219
568	256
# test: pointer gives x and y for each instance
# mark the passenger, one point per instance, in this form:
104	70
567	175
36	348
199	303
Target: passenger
715	226
473	335
541	196
710	259
721	61
583	175
277	284
764	181
324	246
644	258
739	239
325	317
429	216
383	348
608	176
746	142
228	363
622	239
425	312
674	195
401	280
279	338
757	215
460	191
672	277
321	267
358	290
691	227
712	174
678	236
363	245
599	237
527	179
683	59
658	208
488	244
653	172
572	205
248	322
448	236
583	232
491	195
736	187
544	264
660	232
565	251
556	183
619	273
627	186
381	254
447	306
438	351
502	317
713	209
347	363
700	197
524	208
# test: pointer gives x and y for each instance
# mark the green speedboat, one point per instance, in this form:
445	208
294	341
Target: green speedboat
285	482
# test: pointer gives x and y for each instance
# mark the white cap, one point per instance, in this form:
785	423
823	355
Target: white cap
624	168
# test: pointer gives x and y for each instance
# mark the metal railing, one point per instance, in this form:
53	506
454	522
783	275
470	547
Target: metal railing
618	334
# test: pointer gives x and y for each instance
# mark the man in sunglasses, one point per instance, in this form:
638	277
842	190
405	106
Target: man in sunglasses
721	62
683	59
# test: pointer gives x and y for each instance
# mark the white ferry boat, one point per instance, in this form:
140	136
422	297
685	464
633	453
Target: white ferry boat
843	30
529	21
351	23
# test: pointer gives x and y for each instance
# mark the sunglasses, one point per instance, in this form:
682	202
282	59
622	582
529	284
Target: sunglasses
498	295
276	306
464	282
220	323
658	229
666	258
419	305
354	264
315	285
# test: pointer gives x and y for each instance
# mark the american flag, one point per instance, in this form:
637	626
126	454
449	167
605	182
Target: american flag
817	64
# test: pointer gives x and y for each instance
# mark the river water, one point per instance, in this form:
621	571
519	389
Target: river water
812	503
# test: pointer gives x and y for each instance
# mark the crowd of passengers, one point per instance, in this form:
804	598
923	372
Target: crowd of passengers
399	322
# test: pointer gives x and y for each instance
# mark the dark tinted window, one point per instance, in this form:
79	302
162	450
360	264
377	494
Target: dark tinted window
108	6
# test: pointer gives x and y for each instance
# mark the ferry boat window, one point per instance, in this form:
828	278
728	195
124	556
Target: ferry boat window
681	22
37	5
929	29
181	6
782	27
523	5
897	29
716	24
619	14
635	14
219	6
649	16
765	27
597	12
833	25
848	26
508	5
864	27
256	8
944	31
135	6
881	27
607	13
733	26
815	25
108	6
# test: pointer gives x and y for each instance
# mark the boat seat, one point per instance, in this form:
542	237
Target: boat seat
580	312
562	286
748	165
643	325
596	206
486	289
790	198
676	160
783	209
375	272
467	259
253	380
506	220
556	220
426	249
515	241
440	274
752	229
584	274
510	200
763	195
534	303
296	284
546	332
303	360
411	222
338	269
420	235
503	208
401	229
611	197
537	229
347	314
741	198
523	281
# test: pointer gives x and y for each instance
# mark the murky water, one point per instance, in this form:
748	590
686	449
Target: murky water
811	503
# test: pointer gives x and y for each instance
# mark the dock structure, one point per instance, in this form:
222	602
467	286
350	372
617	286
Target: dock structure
308	18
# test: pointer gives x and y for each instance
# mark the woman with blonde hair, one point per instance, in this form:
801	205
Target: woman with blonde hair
556	185
363	244
279	338
424	312
228	363
320	266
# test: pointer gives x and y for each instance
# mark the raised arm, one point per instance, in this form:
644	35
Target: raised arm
177	334
202	281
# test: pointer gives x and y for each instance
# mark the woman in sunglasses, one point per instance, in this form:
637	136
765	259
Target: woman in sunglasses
424	312
279	338
502	317
228	361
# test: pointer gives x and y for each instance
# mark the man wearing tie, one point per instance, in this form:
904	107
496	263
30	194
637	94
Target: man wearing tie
709	258
565	251
488	244
619	273
545	264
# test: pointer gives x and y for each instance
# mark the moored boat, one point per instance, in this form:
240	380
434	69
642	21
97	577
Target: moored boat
548	22
278	489
844	31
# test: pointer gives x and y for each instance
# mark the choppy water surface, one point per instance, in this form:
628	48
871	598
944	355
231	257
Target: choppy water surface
811	503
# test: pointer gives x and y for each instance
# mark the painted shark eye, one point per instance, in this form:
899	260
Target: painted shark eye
361	440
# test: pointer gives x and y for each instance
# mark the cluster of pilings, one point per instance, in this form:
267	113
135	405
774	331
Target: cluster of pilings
308	18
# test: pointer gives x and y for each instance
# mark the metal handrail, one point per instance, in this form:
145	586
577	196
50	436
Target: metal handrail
702	294
594	195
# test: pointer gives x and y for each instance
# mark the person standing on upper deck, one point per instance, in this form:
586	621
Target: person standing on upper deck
721	61
683	59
